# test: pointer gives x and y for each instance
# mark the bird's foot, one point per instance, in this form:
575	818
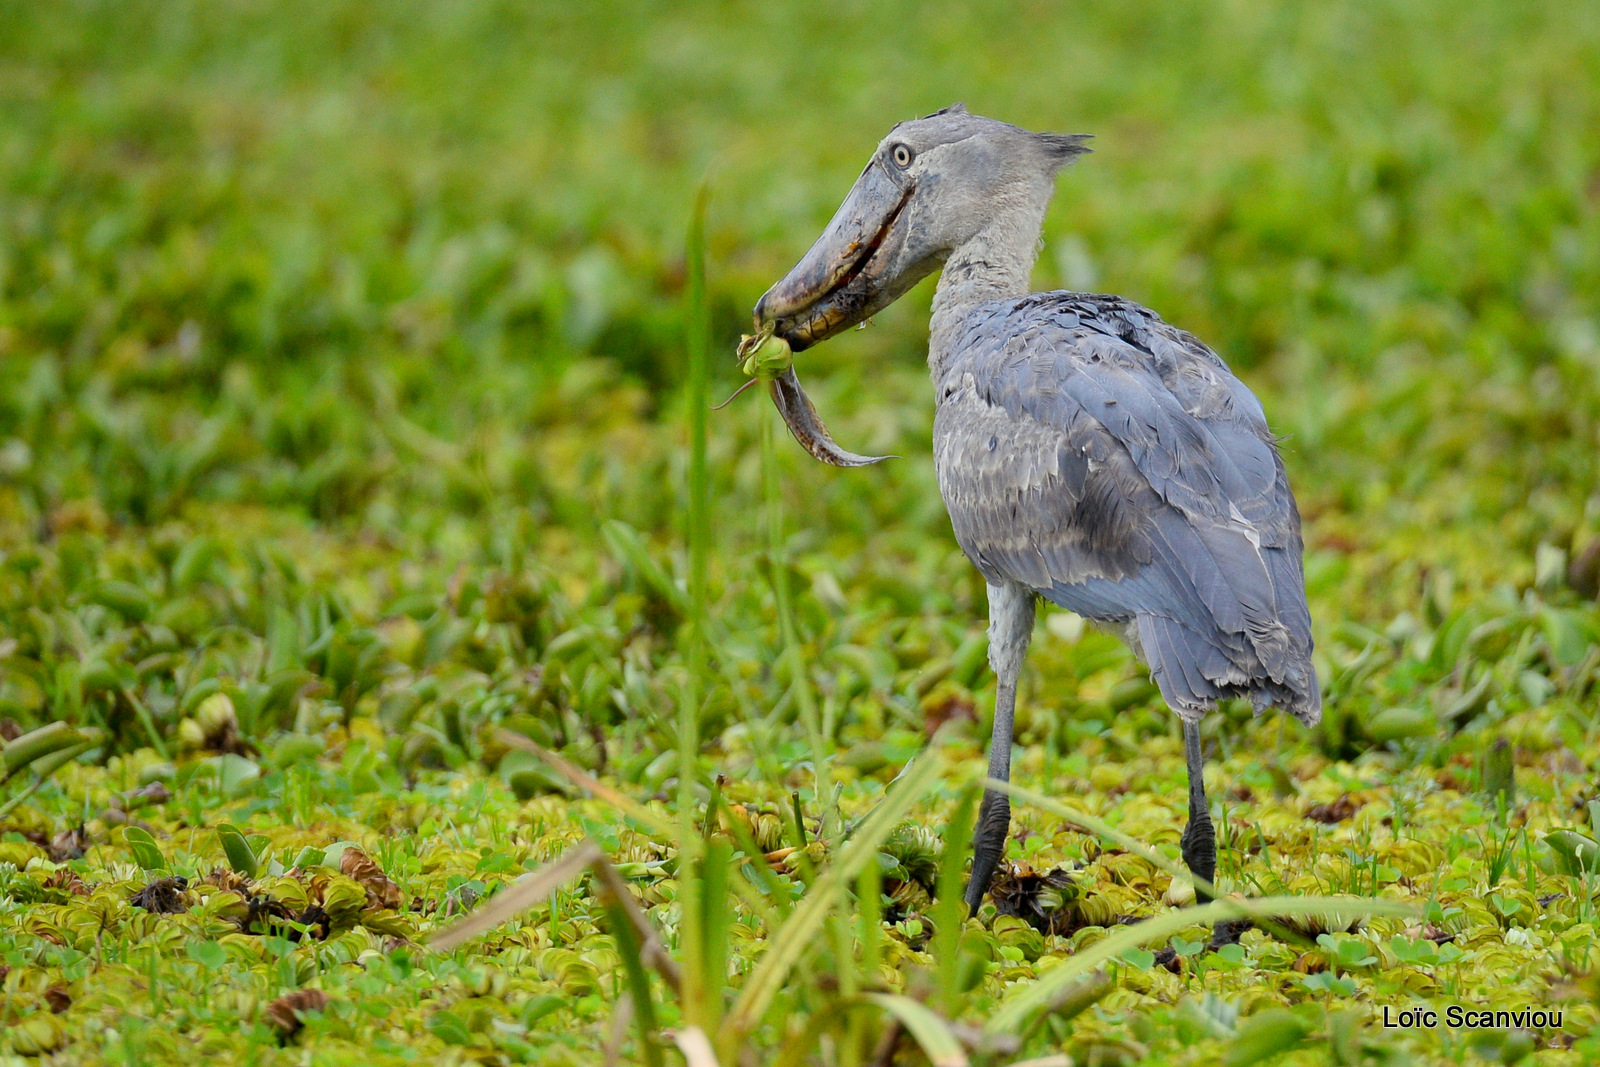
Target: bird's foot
1200	852
1228	932
989	843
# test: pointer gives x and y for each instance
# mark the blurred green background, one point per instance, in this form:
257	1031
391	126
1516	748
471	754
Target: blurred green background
343	421
386	301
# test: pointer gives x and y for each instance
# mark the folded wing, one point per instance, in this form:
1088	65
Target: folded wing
1112	463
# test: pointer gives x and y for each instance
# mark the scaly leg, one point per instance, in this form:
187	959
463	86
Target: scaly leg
1010	629
1199	838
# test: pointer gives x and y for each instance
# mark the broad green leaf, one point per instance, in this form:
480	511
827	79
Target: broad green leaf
1141	958
448	1027
241	857
1186	948
1576	853
233	772
146	853
1265	1034
208	954
310	856
36	744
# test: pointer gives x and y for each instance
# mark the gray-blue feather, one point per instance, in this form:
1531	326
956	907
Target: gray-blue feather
1112	463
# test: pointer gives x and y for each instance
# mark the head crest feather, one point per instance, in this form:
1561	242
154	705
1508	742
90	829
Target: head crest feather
1063	148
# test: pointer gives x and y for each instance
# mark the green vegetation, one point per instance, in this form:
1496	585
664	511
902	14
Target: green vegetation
346	452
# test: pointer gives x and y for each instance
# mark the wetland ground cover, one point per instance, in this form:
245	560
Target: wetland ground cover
344	453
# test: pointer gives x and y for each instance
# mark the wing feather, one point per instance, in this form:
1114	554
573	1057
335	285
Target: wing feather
1112	463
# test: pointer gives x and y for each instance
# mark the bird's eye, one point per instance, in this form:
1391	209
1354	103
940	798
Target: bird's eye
901	156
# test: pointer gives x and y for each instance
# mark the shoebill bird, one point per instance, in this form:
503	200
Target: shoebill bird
1088	452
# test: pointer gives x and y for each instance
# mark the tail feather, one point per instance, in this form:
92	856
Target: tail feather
1193	674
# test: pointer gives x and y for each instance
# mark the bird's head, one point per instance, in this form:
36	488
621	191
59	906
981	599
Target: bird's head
933	184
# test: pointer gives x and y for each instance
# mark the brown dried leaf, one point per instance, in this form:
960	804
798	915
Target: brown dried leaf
947	703
68	880
226	878
1168	958
68	845
1311	963
1036	898
58	998
286	1013
1336	812
224	737
1583	573
1428	932
265	915
163	896
381	891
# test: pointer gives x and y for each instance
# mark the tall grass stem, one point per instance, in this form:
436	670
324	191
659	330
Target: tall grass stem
792	655
697	1010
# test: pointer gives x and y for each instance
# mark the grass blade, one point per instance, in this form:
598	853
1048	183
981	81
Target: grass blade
794	662
695	1047
714	919
949	910
1072	1001
1014	1013
147	721
700	1003
869	921
1152	856
621	1016
629	947
1101	828
923	1024
657	823
650	947
697	336
630	550
795	938
518	897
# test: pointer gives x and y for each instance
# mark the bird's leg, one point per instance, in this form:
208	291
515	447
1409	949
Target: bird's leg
994	814
1010	630
1199	838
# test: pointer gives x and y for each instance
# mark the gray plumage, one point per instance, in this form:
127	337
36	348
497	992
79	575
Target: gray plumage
1088	452
1112	464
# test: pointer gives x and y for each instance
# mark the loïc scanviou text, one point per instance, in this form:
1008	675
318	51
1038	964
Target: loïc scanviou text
1458	1017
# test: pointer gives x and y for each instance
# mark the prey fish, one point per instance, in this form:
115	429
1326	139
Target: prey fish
768	359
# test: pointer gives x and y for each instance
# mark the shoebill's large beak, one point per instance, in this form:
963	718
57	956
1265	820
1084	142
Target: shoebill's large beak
848	274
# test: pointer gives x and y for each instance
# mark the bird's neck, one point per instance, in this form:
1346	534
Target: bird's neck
994	265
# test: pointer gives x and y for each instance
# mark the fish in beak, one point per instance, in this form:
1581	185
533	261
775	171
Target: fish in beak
768	359
851	272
